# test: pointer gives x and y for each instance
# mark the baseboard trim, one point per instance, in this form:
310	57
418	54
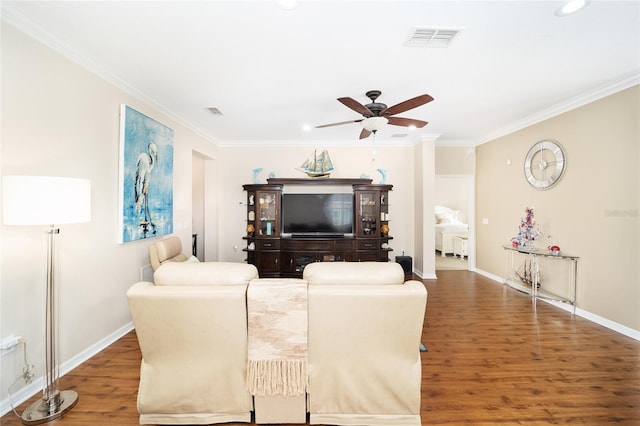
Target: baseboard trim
37	384
612	325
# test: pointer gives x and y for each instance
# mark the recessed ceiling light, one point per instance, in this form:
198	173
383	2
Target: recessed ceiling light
571	7
306	127
287	4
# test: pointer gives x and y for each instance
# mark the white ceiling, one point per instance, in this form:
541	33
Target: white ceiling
270	71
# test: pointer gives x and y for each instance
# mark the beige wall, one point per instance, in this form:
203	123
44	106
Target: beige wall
455	160
592	212
60	119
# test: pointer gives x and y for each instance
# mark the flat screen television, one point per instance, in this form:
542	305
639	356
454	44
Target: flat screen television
317	214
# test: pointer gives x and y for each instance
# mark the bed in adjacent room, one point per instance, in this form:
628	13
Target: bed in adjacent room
448	226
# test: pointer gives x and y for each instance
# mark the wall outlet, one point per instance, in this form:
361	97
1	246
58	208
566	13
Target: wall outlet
9	344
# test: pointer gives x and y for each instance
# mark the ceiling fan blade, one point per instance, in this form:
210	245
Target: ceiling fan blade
406	105
364	133
338	124
406	122
356	106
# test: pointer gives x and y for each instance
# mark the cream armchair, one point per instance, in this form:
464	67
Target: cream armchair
192	330
365	325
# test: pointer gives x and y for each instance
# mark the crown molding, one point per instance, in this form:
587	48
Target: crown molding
12	16
611	88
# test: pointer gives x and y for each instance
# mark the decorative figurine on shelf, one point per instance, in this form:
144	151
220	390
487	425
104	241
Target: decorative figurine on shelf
383	173
250	230
527	231
256	172
529	269
317	166
384	228
272	175
251	200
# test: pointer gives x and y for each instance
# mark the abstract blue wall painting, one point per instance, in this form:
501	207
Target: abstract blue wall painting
146	177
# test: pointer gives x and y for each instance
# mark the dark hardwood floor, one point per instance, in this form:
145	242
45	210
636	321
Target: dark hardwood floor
493	358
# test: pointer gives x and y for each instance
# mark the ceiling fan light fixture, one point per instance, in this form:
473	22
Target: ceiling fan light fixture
373	124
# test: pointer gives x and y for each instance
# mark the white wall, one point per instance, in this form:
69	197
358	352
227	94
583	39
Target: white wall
59	119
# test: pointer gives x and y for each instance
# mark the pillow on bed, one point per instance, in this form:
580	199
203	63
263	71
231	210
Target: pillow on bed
446	215
444	218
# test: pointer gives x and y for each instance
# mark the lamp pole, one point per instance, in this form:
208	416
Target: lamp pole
54	403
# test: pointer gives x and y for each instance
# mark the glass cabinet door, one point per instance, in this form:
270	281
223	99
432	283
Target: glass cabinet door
268	219
368	213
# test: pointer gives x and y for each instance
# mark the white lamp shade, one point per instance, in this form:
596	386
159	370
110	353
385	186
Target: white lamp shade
45	200
373	124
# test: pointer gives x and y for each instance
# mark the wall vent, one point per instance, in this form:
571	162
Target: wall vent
399	135
431	37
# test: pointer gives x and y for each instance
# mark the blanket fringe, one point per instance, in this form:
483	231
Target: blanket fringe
277	377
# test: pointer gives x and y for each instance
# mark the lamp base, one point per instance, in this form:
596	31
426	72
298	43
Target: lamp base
41	411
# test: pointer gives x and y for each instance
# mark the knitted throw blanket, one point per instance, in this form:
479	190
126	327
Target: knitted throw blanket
277	337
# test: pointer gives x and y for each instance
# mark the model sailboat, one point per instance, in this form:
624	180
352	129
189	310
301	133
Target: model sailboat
317	165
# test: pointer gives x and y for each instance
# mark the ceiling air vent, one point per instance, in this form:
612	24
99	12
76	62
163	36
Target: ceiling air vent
399	135
432	37
214	110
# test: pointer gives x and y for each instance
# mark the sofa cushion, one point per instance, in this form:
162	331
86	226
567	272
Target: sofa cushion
359	273
168	248
204	273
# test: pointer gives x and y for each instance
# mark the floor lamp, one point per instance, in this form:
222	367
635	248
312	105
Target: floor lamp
44	200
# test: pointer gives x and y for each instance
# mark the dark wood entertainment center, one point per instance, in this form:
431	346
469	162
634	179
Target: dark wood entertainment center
277	255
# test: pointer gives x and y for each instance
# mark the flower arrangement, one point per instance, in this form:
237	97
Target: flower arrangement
527	231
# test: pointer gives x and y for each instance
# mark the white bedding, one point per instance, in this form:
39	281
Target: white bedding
447	227
445	233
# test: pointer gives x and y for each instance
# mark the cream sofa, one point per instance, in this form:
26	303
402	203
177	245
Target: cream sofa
365	326
192	330
363	337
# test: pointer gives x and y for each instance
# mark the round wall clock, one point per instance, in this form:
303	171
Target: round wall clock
544	164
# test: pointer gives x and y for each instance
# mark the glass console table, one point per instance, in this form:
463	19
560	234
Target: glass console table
557	280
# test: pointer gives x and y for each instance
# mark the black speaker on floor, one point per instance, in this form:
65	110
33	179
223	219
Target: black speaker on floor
407	264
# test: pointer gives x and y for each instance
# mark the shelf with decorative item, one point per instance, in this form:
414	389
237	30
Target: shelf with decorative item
559	282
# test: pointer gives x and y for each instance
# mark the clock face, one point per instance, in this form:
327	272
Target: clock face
544	164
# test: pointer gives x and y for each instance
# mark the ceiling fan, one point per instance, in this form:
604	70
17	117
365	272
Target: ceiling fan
376	114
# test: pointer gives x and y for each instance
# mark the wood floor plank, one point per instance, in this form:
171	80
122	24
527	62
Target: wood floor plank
494	358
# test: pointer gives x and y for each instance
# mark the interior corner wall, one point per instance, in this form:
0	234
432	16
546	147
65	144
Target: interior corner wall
60	119
593	212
